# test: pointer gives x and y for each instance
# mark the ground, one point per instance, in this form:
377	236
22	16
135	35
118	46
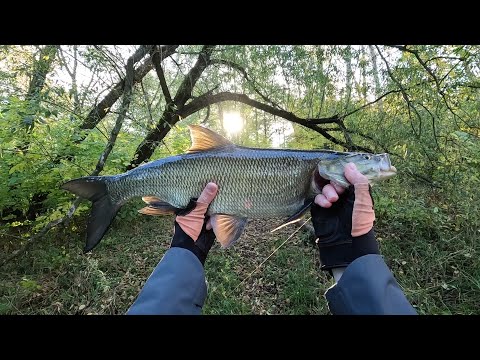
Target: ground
55	277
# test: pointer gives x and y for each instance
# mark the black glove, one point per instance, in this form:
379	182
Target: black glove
205	239
333	226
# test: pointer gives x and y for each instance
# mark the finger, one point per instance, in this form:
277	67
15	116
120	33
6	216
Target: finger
353	175
209	225
322	201
340	189
208	194
330	193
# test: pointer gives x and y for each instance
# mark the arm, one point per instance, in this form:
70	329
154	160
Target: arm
343	221
177	285
367	287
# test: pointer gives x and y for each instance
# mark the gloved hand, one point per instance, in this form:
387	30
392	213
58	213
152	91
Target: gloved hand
344	224
193	230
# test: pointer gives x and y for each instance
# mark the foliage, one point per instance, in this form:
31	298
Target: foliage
418	103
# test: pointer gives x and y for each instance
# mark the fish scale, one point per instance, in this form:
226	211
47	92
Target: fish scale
252	183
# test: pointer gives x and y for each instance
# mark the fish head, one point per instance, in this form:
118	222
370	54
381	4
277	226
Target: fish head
376	167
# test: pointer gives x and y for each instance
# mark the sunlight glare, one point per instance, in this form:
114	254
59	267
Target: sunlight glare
232	122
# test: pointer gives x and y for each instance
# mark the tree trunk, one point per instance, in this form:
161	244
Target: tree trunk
41	68
376	78
349	80
349	76
323	79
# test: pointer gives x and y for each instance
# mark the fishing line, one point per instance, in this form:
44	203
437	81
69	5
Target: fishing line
269	256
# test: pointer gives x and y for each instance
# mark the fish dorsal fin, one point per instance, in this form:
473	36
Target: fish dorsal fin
227	228
204	139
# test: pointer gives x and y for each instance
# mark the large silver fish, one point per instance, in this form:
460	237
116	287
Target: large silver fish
253	183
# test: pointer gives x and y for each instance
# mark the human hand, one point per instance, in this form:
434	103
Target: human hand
343	221
193	230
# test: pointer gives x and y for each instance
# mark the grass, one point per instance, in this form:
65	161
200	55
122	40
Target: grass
433	254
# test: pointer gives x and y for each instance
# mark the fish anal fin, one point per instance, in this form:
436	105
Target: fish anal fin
205	139
227	228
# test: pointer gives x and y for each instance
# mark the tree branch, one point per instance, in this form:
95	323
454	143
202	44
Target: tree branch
430	72
209	99
242	70
156	56
127	96
107	56
170	115
371	102
404	94
102	108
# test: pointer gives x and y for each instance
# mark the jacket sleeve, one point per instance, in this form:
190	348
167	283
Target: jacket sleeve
367	287
176	287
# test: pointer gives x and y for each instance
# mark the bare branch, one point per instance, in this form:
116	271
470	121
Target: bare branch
430	72
404	94
242	70
445	57
209	99
127	96
371	102
170	115
206	116
103	107
106	55
156	57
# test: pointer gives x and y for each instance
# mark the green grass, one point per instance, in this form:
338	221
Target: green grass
433	254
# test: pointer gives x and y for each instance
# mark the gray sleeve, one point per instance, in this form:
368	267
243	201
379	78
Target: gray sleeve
367	287
176	286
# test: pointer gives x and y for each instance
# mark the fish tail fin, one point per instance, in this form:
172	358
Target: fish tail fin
94	188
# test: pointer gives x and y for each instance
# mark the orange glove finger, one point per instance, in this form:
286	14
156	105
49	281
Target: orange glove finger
363	214
192	223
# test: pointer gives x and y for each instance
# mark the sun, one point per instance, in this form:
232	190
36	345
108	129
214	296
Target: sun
232	122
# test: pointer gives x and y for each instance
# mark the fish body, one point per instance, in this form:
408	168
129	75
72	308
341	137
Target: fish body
252	183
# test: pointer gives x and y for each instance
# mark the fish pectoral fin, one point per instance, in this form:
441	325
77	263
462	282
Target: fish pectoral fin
227	228
158	208
205	139
297	216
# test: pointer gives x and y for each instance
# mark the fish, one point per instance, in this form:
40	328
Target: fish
252	183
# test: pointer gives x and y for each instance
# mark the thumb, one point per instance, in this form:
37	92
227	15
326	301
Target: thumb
353	175
208	194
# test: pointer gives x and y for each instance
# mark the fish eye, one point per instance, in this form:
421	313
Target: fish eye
367	157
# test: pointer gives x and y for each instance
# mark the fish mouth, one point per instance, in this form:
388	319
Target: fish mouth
392	171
